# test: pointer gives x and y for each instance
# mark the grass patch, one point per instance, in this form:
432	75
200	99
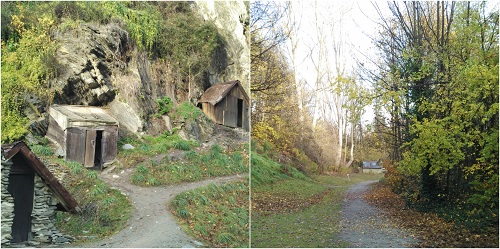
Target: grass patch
215	214
148	146
187	111
266	171
314	226
42	150
290	209
299	213
193	167
105	211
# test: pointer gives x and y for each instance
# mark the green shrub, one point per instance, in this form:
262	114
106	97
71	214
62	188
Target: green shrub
75	167
27	65
142	169
182	145
165	104
92	174
182	212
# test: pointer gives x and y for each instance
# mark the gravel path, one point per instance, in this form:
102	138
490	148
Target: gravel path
363	225
151	224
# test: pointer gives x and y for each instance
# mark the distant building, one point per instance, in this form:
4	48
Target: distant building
87	134
227	104
372	167
30	197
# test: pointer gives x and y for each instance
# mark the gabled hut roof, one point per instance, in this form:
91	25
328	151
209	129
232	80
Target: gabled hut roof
217	92
67	201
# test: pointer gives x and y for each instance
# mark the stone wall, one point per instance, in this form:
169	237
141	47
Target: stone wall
43	229
7	204
43	216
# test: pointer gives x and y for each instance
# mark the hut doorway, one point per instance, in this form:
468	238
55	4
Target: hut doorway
21	187
98	150
239	121
93	149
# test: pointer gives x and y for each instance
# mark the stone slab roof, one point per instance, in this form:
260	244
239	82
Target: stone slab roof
65	198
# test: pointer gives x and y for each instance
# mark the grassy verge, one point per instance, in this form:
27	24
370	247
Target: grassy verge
216	214
292	210
193	167
148	146
104	210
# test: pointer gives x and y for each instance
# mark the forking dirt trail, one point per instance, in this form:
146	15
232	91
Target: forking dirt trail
151	224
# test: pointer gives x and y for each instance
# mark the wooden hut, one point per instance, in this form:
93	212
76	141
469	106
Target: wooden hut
373	167
30	197
226	104
87	134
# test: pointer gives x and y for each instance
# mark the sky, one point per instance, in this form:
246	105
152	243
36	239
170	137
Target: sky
353	24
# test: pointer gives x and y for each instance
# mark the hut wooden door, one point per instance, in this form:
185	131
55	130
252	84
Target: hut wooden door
75	145
90	144
21	187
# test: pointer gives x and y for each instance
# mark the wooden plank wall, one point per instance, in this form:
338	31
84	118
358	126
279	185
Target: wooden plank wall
226	111
55	132
231	110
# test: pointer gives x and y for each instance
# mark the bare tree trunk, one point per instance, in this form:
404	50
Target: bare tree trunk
346	137
319	67
292	28
352	146
340	132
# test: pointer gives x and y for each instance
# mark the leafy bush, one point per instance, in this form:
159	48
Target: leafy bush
182	145
27	65
165	104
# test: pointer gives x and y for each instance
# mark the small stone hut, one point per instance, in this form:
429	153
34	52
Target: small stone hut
87	134
30	197
227	104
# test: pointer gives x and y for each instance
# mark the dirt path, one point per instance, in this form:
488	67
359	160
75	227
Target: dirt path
151	224
363	225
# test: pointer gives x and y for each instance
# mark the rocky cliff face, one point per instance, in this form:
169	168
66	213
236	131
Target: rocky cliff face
90	56
100	66
232	20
